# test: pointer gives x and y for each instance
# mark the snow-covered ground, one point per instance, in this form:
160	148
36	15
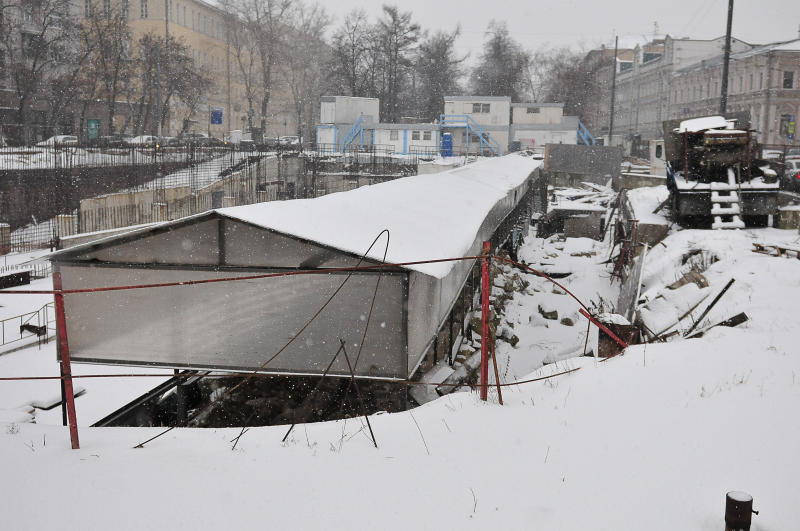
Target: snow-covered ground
652	439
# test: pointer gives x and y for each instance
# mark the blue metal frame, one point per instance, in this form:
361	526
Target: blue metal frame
471	127
356	131
584	135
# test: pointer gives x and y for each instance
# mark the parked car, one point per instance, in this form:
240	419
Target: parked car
192	138
793	153
791	175
272	143
289	141
143	141
117	140
59	140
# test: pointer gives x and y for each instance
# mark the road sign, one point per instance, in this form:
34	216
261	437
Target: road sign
216	116
791	127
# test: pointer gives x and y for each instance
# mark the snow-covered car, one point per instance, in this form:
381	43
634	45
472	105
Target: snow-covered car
791	175
289	141
143	141
59	140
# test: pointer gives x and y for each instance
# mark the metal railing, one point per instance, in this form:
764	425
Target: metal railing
40	324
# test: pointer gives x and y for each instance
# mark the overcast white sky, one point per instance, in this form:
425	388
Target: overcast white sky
587	24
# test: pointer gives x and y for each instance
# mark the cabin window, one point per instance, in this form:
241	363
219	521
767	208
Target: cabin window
426	135
414	135
534	110
393	135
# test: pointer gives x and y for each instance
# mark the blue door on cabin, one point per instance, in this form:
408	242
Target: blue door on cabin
447	145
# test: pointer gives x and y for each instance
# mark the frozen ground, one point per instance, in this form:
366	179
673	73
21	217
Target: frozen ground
650	440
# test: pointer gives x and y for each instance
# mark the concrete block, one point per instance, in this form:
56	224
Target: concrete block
789	218
584	226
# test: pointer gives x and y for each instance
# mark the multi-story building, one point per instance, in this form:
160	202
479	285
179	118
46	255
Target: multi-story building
205	29
643	85
762	81
676	78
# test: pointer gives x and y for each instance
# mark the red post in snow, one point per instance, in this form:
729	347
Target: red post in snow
485	337
66	369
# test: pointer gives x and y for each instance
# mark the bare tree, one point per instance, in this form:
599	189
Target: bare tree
108	40
34	36
186	81
349	55
246	63
304	58
267	24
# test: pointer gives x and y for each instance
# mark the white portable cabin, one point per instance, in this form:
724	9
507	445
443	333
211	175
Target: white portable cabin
240	325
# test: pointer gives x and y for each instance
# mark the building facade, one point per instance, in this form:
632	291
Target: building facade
762	81
671	78
476	124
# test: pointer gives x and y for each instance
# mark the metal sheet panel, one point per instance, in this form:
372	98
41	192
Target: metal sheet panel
599	161
235	325
194	244
248	246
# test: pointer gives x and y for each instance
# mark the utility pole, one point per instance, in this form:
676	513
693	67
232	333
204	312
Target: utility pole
613	92
723	100
166	61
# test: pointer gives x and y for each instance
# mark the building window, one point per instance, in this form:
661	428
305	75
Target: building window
788	80
393	135
143	9
716	88
760	80
476	108
414	135
107	8
87	8
426	135
125	9
534	110
750	82
485	108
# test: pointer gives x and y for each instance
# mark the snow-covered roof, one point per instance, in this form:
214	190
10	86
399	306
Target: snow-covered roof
701	124
428	216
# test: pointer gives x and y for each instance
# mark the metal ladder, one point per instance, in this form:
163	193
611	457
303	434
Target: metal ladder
726	209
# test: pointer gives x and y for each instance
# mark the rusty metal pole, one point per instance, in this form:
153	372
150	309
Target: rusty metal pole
66	368
487	248
686	156
496	375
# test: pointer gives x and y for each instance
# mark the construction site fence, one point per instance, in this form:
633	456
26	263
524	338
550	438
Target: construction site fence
231	178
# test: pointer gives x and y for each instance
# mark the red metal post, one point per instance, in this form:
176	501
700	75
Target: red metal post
66	369
487	249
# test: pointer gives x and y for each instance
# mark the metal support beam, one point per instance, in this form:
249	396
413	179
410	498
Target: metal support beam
66	369
485	336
